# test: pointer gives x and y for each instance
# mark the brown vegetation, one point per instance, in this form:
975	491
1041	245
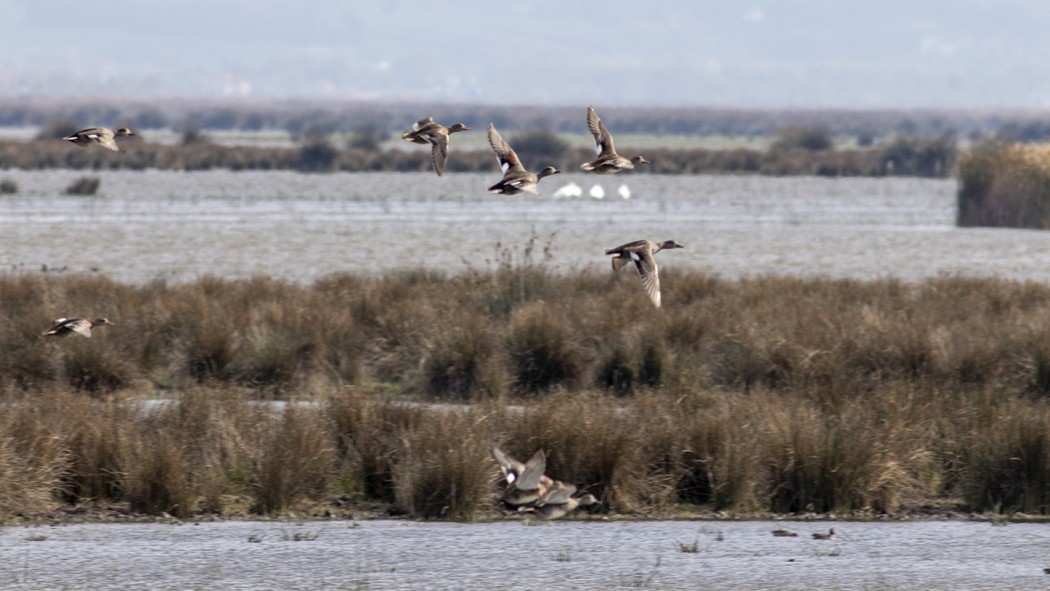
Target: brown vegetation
762	394
1007	185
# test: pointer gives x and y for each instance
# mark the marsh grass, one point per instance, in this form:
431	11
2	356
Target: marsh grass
446	337
1002	184
761	394
441	469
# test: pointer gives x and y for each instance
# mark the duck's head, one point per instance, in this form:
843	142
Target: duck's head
458	127
101	322
588	499
670	244
125	131
547	172
639	160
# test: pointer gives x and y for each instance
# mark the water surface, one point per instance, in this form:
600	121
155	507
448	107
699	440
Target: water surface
182	225
947	556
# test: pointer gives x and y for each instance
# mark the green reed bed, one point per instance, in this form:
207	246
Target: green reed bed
766	394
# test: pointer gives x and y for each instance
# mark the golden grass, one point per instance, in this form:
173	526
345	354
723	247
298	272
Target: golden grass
761	394
448	338
1005	185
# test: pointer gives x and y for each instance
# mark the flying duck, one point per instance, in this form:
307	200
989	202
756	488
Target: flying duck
427	131
608	161
515	178
641	252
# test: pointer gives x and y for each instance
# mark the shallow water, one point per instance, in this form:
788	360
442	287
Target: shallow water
555	555
182	225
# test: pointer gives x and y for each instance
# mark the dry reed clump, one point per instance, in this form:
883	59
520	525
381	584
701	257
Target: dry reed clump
32	463
1005	185
440	468
297	458
461	359
367	435
543	348
722	461
1004	456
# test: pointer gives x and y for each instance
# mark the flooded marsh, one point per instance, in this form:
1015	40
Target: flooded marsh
182	225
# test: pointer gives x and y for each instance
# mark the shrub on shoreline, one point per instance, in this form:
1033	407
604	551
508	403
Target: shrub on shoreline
1005	185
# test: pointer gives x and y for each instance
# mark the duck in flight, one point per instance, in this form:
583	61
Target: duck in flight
99	136
608	161
515	178
427	131
640	252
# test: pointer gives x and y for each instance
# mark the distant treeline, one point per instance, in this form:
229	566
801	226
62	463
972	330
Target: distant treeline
345	116
906	155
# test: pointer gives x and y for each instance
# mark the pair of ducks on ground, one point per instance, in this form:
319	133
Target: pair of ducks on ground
516	178
529	490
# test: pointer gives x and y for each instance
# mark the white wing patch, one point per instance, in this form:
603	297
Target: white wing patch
504	165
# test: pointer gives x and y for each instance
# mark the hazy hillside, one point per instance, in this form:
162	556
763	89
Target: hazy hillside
890	54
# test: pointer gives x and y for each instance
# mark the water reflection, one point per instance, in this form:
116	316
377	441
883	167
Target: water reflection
562	555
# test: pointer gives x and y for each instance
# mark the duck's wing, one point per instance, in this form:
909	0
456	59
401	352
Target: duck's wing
510	467
508	159
531	476
57	326
558	493
414	135
108	142
646	265
438	151
81	327
603	142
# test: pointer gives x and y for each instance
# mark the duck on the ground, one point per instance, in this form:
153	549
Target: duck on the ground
526	483
559	510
